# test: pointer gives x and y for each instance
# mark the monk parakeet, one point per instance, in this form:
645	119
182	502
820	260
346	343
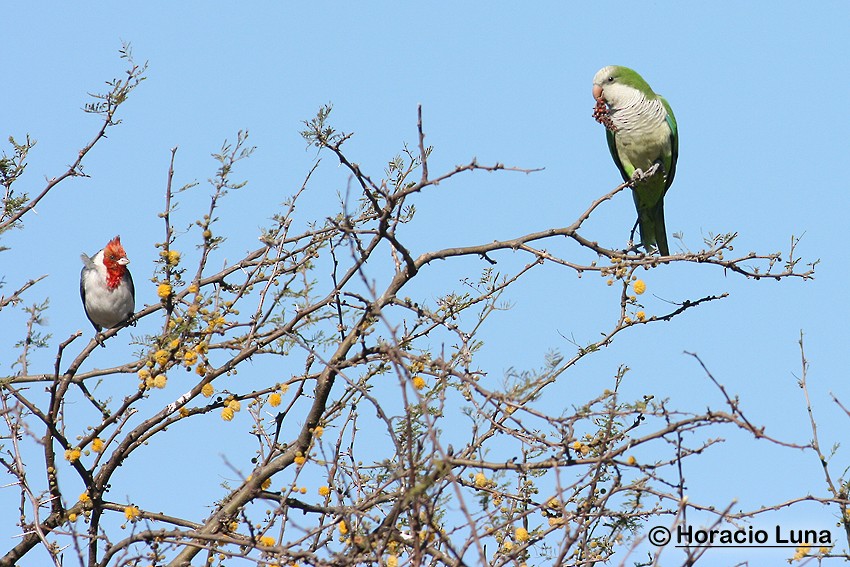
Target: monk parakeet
644	142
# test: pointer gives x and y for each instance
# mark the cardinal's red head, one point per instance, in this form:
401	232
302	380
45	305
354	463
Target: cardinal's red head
115	260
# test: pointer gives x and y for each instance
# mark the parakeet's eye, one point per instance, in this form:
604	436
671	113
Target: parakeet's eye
610	79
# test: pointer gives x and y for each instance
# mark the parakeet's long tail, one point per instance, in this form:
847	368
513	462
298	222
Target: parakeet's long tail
652	229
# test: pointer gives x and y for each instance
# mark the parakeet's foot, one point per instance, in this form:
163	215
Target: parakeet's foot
640	175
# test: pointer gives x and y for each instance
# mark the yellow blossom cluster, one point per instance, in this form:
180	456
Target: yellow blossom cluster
132	512
267	541
72	455
171	257
300	458
581	448
419	382
97	445
275	398
231	407
152	375
163	290
324	490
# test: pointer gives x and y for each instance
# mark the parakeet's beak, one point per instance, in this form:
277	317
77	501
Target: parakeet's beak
597	91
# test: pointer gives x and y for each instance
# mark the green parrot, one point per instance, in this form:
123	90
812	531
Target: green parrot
644	142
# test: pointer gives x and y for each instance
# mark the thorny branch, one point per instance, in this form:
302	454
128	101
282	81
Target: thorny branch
411	451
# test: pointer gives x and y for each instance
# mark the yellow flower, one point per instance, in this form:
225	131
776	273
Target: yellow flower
266	484
234	405
418	382
324	490
72	517
163	290
556	521
173	344
132	512
300	460
802	551
641	316
627	320
192	288
201	370
183	411
161	357
521	534
577	445
283	388
274	400
190	357
553	503
343	528
631	460
507	546
144	374
303	490
173	257
227	414
584	449
73	454
97	445
639	286
208	390
480	480
84	497
318	430
267	541
392	560
160	380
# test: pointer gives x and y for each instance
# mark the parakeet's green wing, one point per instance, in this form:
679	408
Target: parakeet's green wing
612	147
674	143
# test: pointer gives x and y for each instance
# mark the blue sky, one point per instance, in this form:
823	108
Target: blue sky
759	96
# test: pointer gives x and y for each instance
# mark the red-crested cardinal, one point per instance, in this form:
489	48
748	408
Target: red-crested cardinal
107	287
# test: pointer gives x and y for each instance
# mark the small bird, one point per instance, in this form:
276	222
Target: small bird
106	287
643	140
